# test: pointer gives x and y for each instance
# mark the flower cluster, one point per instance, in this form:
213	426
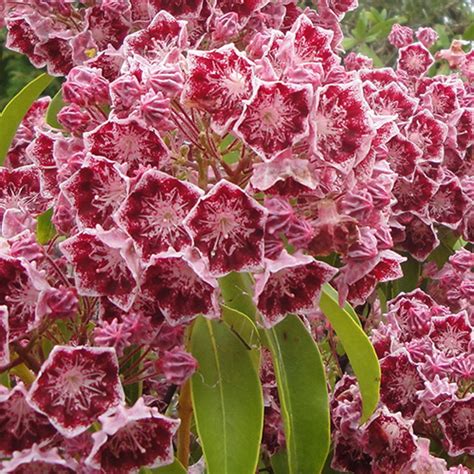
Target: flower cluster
427	364
202	138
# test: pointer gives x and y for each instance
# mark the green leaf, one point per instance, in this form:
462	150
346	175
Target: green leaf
469	33
55	106
227	399
134	390
302	390
280	462
411	274
369	52
5	379
332	293
359	350
236	289
348	43
244	328
16	109
45	229
175	468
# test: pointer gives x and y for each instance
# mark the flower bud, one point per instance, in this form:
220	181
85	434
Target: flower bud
177	366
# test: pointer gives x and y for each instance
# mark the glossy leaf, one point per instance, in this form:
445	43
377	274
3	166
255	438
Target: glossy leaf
333	294
236	289
243	326
227	399
16	109
55	106
303	394
359	350
175	468
45	229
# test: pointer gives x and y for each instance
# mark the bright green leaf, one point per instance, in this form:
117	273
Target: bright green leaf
227	399
16	109
45	230
332	293
55	106
302	390
175	468
359	350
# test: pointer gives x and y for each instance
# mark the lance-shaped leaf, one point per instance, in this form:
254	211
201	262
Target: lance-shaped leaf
227	399
175	468
45	230
16	109
303	394
236	289
246	330
55	106
358	348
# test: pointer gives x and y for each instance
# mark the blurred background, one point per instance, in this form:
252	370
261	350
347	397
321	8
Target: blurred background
365	31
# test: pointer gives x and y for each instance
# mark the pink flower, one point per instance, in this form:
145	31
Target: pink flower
458	426
414	60
400	36
95	191
227	226
75	386
389	439
128	142
427	36
180	286
400	382
219	82
154	211
131	438
21	426
275	117
290	284
455	55
39	459
104	265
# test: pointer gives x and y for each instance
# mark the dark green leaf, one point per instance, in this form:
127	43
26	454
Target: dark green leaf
134	390
5	379
54	107
359	350
411	275
303	394
45	230
16	109
227	399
